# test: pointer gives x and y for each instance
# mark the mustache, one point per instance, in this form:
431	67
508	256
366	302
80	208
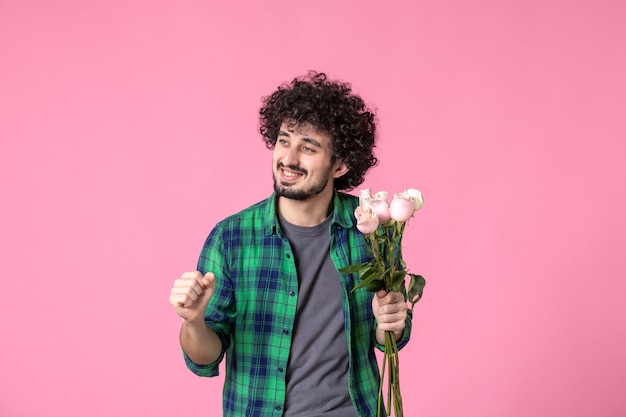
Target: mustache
292	168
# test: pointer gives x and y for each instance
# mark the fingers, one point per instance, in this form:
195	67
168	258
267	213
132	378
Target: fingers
190	287
186	289
208	281
390	310
384	298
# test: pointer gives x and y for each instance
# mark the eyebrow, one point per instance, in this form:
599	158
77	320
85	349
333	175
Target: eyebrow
305	139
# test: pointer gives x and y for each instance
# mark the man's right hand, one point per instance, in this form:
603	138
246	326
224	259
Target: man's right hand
191	294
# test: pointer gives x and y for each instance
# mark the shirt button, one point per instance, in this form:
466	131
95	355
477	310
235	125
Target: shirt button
277	407
285	331
291	293
288	256
280	369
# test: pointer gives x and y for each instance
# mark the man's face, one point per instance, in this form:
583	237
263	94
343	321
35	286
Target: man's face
302	162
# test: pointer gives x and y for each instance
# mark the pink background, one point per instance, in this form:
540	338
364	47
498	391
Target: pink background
128	128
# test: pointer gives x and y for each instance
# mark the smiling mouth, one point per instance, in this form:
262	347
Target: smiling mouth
290	173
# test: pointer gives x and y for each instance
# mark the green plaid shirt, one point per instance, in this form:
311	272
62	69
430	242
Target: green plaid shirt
254	307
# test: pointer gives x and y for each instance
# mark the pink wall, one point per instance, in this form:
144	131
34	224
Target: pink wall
128	128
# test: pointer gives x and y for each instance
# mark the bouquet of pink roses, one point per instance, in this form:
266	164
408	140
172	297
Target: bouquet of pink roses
382	224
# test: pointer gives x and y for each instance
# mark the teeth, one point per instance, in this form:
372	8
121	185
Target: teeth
290	174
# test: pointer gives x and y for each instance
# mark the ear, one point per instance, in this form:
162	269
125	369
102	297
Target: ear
340	169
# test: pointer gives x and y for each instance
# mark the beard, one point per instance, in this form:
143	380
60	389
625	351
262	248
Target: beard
285	190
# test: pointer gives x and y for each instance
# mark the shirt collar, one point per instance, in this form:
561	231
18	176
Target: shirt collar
343	213
272	215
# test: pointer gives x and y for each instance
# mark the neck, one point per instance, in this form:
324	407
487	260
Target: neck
307	213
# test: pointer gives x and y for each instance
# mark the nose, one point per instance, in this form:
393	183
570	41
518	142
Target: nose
290	158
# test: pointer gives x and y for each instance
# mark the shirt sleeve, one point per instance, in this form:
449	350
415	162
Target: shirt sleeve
220	312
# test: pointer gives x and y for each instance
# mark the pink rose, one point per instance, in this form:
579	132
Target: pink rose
365	197
401	208
381	207
415	196
381	195
366	219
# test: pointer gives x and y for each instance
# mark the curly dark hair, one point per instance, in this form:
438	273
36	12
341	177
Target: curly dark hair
329	106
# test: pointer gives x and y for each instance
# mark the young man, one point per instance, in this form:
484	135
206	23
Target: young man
268	295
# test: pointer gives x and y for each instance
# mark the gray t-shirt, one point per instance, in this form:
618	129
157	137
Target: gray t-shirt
317	373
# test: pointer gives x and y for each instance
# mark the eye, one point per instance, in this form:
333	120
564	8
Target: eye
282	142
307	149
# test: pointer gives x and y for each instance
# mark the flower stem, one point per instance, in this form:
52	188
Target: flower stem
392	363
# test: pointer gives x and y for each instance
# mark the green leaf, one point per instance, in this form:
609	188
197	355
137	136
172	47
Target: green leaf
416	288
367	281
367	272
375	285
402	263
350	269
397	281
369	277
